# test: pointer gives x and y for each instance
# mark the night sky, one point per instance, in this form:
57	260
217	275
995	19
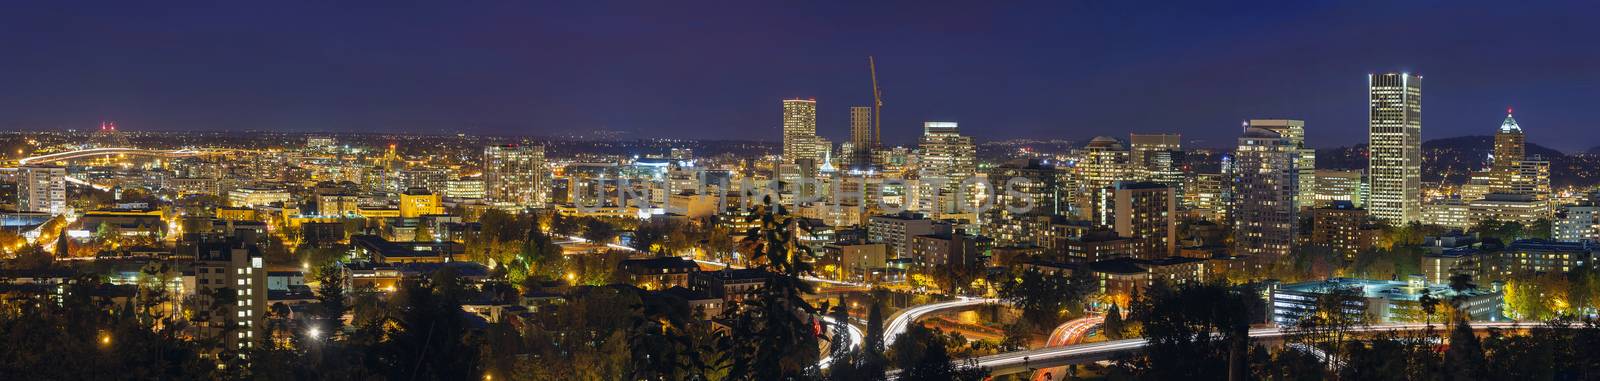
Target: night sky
1006	69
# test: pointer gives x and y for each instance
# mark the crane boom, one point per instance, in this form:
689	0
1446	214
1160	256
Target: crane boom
877	104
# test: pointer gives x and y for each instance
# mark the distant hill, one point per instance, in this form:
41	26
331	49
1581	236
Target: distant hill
1454	159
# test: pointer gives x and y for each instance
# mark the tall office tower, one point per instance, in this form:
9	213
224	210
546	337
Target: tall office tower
1511	171
800	132
514	175
231	267
1146	212
1102	163
1394	161
1264	217
1305	157
862	141
949	157
42	189
1509	146
1158	158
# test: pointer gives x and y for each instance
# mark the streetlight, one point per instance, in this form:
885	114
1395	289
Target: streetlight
105	339
314	333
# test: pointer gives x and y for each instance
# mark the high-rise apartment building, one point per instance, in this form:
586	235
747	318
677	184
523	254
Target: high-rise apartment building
1146	212
1264	217
235	269
1101	164
1305	157
514	175
800	133
1394	161
42	189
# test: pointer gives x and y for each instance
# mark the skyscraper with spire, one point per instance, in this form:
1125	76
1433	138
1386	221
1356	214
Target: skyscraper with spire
1394	157
1509	148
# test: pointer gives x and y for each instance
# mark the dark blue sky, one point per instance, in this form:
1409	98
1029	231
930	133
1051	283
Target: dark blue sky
1054	69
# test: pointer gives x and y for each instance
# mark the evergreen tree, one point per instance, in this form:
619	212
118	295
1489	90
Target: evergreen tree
331	304
1113	326
1465	357
775	332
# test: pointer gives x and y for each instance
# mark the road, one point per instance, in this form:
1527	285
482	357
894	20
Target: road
1068	333
1023	361
911	315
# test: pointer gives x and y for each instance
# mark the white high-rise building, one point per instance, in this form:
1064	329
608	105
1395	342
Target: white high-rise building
800	133
42	189
515	175
1394	161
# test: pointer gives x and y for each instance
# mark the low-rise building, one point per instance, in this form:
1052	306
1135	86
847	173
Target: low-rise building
731	285
659	273
1382	301
379	250
1533	256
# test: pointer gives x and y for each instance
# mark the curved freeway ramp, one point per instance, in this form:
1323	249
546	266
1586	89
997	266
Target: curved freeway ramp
903	321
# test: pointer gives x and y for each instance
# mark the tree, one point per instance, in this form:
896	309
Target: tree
1113	326
599	231
1327	325
428	338
1465	357
331	304
920	354
1194	331
1045	298
773	331
1429	306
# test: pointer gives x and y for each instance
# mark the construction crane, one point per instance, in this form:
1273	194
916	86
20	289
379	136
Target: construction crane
877	104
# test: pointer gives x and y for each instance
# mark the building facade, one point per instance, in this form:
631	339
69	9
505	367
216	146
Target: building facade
514	175
1395	147
1266	187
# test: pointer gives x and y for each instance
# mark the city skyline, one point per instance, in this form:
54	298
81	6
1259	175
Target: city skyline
1055	71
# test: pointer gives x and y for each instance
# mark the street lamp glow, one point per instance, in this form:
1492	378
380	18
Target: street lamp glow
314	333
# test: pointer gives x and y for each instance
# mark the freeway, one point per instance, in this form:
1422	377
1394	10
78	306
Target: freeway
910	315
1024	361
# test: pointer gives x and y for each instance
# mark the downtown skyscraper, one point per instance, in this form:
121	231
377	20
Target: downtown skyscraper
947	158
800	133
1394	158
862	137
